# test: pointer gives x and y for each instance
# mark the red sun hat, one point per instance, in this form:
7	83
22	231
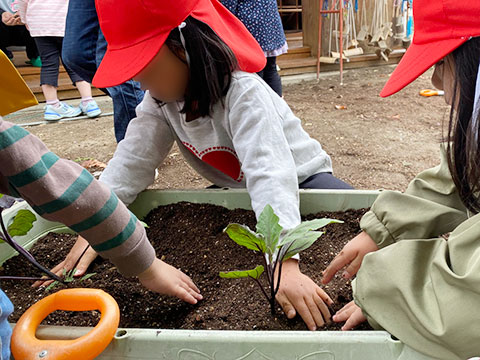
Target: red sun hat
135	31
440	28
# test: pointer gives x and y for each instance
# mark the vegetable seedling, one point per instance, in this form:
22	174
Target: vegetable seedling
22	223
275	244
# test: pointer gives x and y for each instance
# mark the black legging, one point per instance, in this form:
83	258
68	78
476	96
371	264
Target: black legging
270	75
17	36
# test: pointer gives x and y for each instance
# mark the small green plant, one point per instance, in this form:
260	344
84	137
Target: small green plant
68	277
21	225
275	244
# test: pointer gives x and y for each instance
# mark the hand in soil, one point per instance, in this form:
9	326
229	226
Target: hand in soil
351	256
299	293
71	261
165	279
352	315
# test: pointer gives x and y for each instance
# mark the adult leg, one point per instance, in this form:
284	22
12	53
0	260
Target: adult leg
270	75
5	38
29	42
80	41
125	97
324	180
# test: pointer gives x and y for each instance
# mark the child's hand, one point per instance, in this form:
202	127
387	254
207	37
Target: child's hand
351	255
299	293
71	259
352	315
165	279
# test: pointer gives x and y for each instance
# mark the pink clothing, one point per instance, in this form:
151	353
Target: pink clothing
44	17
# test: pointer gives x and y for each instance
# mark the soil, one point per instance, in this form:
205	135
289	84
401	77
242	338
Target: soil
190	237
374	143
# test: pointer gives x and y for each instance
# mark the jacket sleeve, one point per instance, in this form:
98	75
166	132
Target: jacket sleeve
61	190
147	142
430	207
426	292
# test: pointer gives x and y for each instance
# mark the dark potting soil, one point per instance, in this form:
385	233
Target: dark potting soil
189	237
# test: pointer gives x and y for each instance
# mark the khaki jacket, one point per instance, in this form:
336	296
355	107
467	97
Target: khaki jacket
421	287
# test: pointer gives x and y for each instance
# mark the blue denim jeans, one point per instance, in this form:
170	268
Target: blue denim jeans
83	49
6	308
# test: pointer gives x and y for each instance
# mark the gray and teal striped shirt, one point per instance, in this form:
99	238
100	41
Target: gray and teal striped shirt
61	190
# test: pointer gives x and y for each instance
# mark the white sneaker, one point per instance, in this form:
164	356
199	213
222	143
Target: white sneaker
91	109
53	113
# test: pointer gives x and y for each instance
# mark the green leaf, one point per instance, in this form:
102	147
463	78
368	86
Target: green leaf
268	226
1	196
255	273
22	223
304	228
294	247
88	276
144	224
302	237
51	286
243	236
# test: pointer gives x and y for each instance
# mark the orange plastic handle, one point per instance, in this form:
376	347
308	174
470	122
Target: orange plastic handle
429	93
26	346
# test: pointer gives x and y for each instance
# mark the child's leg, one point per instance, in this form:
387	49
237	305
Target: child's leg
6	308
50	49
324	181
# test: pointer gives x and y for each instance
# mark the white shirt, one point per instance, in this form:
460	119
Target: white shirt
253	140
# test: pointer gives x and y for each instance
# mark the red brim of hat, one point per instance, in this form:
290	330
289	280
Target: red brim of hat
121	65
418	59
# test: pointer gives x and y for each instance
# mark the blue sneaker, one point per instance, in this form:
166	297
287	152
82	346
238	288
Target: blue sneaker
53	113
91	109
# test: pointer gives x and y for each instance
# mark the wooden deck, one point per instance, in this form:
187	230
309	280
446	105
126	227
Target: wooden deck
299	59
31	75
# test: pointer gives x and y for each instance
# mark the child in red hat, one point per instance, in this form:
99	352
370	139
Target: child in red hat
423	285
198	63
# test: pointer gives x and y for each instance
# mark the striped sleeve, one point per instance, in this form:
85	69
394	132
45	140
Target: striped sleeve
61	190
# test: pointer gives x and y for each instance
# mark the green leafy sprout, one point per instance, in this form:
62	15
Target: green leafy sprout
275	244
21	224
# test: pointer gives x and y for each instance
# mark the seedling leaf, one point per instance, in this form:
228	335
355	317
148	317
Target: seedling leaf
88	276
304	228
243	236
254	273
22	223
268	226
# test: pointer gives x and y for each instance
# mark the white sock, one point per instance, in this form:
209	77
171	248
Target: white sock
86	100
54	103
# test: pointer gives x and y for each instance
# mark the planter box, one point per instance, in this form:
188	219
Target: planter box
143	344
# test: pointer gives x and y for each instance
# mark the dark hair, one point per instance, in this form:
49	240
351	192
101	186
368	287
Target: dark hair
210	69
463	150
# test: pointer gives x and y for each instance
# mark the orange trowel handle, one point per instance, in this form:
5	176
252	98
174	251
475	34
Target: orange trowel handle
26	346
428	93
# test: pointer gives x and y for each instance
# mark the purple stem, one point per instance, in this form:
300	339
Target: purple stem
25	253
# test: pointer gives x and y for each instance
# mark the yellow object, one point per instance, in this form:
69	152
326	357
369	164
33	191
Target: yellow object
428	93
26	346
14	92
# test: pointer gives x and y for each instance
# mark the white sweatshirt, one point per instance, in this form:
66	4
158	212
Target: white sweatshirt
253	140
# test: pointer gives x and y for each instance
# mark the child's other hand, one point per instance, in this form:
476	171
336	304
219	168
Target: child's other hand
71	259
352	315
299	293
165	279
351	256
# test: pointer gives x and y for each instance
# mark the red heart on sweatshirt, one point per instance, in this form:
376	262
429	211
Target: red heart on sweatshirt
221	158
